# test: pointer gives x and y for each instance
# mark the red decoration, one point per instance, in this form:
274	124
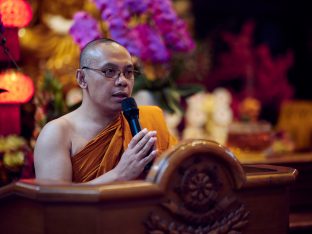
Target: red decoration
20	87
15	13
10	119
12	43
264	75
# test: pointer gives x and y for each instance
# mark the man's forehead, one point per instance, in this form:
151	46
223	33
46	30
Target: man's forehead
98	54
110	50
113	65
110	47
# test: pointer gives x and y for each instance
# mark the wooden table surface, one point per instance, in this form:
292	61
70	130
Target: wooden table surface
300	219
262	158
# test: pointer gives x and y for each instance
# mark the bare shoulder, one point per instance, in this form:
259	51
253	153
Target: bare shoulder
58	128
54	134
52	151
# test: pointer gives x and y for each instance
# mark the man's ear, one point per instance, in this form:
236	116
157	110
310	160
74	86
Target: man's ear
80	77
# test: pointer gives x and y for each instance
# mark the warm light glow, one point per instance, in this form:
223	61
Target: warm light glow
15	13
20	87
21	32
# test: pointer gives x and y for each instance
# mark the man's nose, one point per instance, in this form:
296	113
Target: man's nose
121	79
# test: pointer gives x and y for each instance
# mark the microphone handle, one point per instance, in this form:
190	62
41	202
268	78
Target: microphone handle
135	128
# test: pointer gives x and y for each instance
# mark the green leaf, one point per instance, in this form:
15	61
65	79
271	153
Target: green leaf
189	90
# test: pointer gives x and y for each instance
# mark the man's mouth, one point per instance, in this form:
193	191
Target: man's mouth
120	95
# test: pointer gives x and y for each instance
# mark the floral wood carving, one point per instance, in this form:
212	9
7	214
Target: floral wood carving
198	189
200	202
232	223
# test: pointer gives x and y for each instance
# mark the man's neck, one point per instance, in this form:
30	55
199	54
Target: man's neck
94	114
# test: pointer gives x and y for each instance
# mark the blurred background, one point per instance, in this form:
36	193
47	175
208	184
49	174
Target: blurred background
236	72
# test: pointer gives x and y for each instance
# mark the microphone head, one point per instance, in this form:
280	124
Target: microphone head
129	108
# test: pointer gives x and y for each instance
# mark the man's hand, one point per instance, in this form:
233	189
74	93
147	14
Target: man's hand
139	153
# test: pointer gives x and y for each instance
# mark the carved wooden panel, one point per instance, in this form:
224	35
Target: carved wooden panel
200	200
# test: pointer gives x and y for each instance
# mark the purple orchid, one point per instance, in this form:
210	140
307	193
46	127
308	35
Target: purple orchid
154	40
83	22
152	45
137	6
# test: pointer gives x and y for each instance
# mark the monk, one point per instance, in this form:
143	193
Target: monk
93	144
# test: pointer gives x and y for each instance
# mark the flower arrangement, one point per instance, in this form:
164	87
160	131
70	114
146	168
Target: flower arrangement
152	32
253	69
16	159
49	101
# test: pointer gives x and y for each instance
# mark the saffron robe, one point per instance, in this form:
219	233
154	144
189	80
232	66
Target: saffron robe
103	152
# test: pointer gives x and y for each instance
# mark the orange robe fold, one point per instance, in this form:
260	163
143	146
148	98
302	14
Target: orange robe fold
103	152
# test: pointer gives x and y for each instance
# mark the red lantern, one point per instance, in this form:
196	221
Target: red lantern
15	13
19	86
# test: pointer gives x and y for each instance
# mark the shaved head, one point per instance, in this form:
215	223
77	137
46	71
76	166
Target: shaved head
86	53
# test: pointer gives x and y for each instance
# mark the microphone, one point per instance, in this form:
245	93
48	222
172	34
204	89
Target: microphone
131	112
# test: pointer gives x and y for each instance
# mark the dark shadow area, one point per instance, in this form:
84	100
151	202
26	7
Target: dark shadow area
281	24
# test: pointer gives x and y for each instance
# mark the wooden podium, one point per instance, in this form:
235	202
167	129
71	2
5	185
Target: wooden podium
197	187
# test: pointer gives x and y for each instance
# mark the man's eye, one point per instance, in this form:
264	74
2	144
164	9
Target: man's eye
129	73
110	72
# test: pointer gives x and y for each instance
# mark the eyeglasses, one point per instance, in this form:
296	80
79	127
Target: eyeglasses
111	73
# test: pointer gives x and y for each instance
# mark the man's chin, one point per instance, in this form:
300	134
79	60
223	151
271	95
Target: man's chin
117	107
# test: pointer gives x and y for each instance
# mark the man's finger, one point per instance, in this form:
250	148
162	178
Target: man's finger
144	141
137	138
147	147
149	158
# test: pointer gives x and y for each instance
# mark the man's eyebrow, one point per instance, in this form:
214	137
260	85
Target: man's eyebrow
129	66
112	65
